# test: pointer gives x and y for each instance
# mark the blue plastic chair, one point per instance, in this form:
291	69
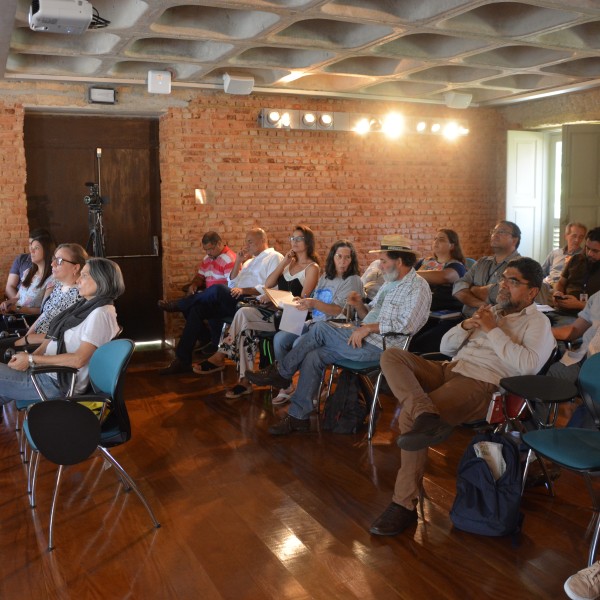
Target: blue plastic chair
107	376
577	449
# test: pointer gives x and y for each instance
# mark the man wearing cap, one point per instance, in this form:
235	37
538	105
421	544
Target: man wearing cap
401	305
479	285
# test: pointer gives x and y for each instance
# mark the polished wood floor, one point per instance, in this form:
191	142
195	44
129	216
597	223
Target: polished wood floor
245	515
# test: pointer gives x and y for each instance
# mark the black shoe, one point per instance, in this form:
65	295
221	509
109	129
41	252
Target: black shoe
268	376
393	520
206	351
175	368
428	430
168	306
289	424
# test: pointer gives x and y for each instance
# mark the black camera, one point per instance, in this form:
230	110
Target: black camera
93	199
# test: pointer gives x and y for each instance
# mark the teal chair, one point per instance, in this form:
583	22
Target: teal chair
48	423
577	449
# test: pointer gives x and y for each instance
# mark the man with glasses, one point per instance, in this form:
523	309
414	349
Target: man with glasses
204	320
509	339
579	280
479	285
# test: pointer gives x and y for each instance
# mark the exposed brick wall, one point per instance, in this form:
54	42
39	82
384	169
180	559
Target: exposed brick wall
339	183
13	204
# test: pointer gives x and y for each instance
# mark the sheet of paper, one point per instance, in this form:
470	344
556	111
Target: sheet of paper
491	452
292	319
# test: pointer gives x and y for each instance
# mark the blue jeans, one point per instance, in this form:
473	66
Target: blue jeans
17	385
284	341
212	305
323	345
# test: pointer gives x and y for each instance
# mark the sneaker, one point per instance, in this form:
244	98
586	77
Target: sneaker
289	424
428	430
237	391
393	520
268	376
585	584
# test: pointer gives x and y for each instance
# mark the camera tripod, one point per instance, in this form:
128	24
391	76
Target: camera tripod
95	244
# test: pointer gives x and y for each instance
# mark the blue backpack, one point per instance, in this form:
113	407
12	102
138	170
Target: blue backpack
483	505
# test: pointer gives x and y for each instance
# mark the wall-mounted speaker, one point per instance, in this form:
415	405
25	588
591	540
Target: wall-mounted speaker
233	84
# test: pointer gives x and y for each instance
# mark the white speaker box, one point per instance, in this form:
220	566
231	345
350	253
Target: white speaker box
457	99
242	86
159	82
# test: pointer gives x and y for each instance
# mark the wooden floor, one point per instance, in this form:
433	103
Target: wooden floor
248	516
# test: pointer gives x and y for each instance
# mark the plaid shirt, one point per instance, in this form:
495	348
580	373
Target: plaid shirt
216	270
400	306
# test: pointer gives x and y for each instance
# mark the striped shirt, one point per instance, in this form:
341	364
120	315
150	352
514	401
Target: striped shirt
216	270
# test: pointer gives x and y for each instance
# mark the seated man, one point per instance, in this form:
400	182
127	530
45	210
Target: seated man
579	280
479	286
213	269
401	305
511	338
556	261
220	301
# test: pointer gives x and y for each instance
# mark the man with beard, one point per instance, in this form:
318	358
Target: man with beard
580	278
479	285
511	338
401	305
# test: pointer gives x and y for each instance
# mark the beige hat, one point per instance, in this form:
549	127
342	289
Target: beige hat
395	243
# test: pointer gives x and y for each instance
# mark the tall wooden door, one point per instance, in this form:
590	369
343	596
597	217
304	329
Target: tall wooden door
63	153
580	200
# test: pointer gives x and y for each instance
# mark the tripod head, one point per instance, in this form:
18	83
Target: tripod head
93	199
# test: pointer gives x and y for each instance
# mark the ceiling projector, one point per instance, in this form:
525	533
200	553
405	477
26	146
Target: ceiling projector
60	16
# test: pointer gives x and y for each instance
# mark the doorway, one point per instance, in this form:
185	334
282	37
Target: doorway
62	155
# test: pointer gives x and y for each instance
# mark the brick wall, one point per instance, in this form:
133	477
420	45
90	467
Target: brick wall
13	205
339	183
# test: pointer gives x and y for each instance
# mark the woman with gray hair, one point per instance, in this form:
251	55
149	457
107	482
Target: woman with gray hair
72	338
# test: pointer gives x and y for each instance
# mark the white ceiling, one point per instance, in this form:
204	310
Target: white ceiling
498	51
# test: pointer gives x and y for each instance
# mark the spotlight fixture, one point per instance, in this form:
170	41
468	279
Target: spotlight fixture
325	120
393	125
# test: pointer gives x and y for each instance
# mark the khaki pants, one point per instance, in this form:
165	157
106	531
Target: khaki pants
425	386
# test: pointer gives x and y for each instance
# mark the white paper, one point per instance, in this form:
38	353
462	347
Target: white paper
292	319
491	452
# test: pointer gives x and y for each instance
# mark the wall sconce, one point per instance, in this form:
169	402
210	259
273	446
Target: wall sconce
200	196
393	125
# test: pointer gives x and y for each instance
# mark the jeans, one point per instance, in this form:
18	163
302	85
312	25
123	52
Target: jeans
17	385
214	304
323	345
284	341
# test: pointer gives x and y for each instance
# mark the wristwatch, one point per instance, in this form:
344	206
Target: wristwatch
31	361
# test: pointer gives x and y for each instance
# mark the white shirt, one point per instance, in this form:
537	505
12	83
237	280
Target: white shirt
255	270
99	327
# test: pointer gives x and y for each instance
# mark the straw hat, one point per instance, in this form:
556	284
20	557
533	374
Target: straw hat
395	243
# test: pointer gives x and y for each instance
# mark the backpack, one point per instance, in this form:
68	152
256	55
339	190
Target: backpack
482	505
345	410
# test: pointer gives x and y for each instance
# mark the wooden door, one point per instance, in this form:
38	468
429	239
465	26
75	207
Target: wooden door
580	199
62	155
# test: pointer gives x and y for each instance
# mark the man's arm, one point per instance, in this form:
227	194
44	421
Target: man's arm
571	332
12	284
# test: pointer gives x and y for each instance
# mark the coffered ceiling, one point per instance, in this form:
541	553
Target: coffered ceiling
496	51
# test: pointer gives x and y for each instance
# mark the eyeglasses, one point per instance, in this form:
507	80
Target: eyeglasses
512	281
297	238
500	232
343	256
59	260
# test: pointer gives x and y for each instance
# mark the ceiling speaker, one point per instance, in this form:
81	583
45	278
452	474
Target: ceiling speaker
237	85
457	100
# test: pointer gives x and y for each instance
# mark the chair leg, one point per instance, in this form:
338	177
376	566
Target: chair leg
32	476
53	508
595	522
122	473
374	406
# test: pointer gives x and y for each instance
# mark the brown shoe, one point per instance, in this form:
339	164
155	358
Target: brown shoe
290	424
393	520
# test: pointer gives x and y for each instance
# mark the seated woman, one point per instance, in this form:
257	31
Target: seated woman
37	283
328	302
297	273
440	270
67	263
72	338
21	265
